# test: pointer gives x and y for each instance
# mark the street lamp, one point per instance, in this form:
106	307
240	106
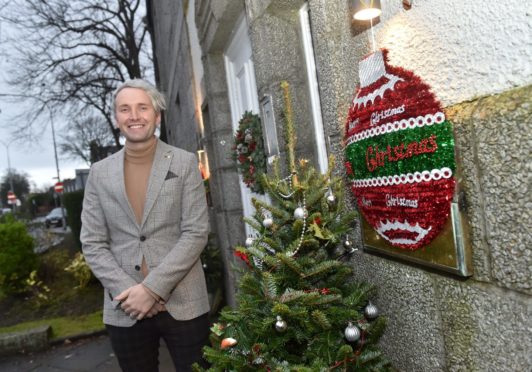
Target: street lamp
6	145
9	172
45	104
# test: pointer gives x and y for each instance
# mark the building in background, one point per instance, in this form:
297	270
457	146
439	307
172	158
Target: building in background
217	59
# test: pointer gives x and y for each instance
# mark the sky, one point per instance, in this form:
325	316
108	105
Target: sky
35	159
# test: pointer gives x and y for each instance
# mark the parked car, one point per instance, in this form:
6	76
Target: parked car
55	218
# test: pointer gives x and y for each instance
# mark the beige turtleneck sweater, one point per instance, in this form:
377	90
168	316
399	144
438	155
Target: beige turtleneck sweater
137	168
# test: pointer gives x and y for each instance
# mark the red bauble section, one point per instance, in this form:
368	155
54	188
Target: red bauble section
410	97
408	216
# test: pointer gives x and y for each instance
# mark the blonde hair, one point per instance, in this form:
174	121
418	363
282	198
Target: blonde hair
157	98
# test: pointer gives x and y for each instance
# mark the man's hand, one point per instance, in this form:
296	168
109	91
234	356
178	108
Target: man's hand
155	309
136	301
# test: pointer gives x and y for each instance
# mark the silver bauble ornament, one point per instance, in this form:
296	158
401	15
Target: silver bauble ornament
300	213
370	311
352	333
267	222
331	200
249	242
280	325
248	138
204	266
347	244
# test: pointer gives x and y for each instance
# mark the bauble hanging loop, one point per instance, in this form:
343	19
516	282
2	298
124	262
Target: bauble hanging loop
352	333
280	325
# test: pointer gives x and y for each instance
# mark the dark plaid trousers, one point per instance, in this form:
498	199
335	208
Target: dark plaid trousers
137	347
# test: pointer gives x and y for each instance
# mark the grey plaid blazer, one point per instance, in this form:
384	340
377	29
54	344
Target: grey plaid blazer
171	236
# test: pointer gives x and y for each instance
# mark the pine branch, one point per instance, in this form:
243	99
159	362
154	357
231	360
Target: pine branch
253	223
322	269
275	211
376	330
269	288
291	263
291	295
321	319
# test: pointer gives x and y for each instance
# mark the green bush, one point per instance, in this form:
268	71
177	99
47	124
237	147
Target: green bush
17	259
73	202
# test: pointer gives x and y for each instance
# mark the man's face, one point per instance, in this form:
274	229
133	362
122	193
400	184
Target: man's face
135	115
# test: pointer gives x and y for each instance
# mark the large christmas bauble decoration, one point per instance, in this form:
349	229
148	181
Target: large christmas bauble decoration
399	154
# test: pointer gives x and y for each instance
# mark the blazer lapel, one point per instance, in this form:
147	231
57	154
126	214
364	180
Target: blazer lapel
121	184
159	169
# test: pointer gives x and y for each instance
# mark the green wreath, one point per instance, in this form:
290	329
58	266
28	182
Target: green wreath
248	151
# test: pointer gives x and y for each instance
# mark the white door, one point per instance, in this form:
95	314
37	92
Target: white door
242	95
314	93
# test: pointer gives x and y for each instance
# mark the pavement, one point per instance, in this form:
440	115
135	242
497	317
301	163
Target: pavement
92	354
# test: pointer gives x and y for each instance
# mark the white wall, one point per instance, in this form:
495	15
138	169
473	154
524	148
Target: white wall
462	48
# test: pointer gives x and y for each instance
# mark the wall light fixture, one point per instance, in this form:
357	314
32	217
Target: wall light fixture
365	10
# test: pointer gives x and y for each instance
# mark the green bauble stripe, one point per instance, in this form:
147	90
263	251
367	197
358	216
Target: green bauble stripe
367	164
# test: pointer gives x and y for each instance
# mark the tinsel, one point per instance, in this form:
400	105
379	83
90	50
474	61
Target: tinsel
362	152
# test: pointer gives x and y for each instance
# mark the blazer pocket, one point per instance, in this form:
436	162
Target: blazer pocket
170	175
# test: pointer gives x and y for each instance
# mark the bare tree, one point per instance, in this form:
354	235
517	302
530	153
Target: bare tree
20	182
71	54
84	133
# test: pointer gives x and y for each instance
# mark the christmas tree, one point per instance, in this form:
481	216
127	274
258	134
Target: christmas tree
299	308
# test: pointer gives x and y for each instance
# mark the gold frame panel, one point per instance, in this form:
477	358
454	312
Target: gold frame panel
450	251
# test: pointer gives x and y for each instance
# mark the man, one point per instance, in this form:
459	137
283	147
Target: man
144	225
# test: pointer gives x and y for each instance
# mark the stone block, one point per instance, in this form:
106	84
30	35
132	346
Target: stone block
485	329
215	75
226	191
219	114
25	341
276	50
494	137
413	339
221	149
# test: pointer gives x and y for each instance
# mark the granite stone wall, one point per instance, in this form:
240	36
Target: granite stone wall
436	321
